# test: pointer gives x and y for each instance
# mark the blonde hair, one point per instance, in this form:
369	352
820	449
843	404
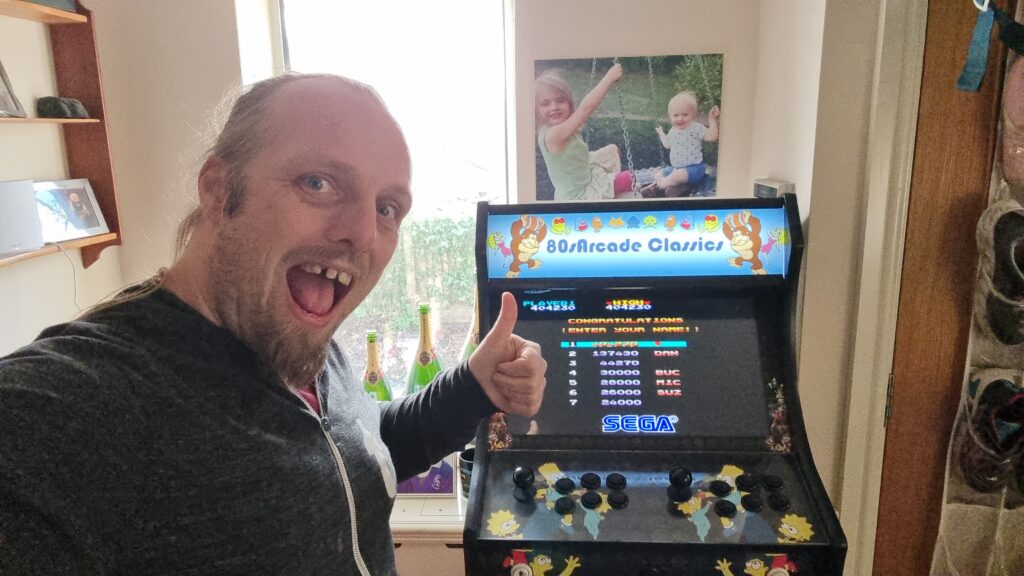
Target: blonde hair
685	97
551	80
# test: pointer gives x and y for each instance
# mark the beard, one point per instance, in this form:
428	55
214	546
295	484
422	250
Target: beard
245	307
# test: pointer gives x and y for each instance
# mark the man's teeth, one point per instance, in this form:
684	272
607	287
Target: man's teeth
329	273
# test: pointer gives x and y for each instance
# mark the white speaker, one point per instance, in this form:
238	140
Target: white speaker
20	230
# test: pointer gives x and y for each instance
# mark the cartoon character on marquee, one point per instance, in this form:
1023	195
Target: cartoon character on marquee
496	241
744	233
527	234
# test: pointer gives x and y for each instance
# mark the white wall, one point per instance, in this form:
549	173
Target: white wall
165	65
546	30
789	35
39	292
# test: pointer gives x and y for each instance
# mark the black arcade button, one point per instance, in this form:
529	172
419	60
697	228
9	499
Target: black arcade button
590	481
752	502
771	482
679	494
564	505
522	476
564	485
618	500
746	482
680	477
615	481
725	508
720	488
524	494
590	499
779	502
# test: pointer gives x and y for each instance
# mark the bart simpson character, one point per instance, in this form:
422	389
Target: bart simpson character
503	524
794	529
541	565
755	567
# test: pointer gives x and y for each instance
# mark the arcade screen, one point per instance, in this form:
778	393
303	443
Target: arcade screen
645	362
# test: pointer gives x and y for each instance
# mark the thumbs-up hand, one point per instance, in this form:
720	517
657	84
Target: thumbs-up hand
510	369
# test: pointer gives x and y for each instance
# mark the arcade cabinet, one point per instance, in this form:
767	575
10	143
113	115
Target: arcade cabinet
670	440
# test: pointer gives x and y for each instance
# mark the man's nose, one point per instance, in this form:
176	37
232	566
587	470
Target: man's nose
354	223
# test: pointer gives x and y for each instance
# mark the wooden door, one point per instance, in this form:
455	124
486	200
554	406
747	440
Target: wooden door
954	150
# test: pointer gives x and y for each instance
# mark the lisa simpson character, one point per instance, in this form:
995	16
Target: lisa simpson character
794	529
504	525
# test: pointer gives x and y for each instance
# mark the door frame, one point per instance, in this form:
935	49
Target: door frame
892	132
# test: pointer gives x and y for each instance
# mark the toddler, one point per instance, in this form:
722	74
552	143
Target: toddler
684	141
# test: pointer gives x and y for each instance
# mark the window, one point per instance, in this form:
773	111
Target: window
440	68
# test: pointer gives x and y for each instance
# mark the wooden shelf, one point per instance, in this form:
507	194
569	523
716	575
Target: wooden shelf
48	120
39	13
110	237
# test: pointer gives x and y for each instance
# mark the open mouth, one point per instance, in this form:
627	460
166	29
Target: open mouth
316	289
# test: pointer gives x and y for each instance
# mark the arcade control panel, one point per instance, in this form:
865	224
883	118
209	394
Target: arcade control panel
670	439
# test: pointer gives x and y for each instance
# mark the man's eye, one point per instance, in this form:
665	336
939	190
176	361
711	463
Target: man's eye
388	211
314	183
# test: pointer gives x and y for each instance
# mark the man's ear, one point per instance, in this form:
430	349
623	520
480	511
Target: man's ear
213	188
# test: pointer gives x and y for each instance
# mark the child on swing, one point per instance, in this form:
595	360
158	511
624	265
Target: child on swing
576	172
684	141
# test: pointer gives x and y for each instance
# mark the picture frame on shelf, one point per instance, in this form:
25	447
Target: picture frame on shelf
9	105
68	210
439	480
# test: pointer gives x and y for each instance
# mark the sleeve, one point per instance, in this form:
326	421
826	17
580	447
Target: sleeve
421	429
38	533
32	544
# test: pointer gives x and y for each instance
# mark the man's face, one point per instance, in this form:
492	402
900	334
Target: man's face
318	223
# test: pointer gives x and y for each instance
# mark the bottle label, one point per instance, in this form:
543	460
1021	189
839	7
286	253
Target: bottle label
373	377
425	358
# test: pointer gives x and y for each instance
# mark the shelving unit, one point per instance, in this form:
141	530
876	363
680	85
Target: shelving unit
39	13
48	120
76	65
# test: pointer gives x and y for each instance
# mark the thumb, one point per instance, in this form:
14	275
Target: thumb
506	321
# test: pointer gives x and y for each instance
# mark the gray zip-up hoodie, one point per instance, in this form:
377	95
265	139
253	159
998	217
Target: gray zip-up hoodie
143	439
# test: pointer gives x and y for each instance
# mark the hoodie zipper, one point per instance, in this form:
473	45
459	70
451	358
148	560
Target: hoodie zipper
325	427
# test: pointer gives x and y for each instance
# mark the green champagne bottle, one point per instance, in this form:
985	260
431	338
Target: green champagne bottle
425	365
373	378
473	338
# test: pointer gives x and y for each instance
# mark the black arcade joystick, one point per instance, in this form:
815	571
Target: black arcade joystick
725	508
746	482
778	502
522	476
616	481
564	505
720	488
564	486
680	477
679	494
590	481
772	483
752	502
590	499
524	494
618	500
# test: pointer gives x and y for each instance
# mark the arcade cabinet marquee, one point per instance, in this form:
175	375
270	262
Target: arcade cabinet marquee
670	439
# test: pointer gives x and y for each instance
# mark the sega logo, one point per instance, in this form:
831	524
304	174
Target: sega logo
645	423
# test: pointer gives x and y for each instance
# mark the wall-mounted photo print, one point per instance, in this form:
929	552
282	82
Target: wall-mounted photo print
611	128
68	209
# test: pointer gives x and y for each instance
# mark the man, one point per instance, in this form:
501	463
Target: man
205	423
